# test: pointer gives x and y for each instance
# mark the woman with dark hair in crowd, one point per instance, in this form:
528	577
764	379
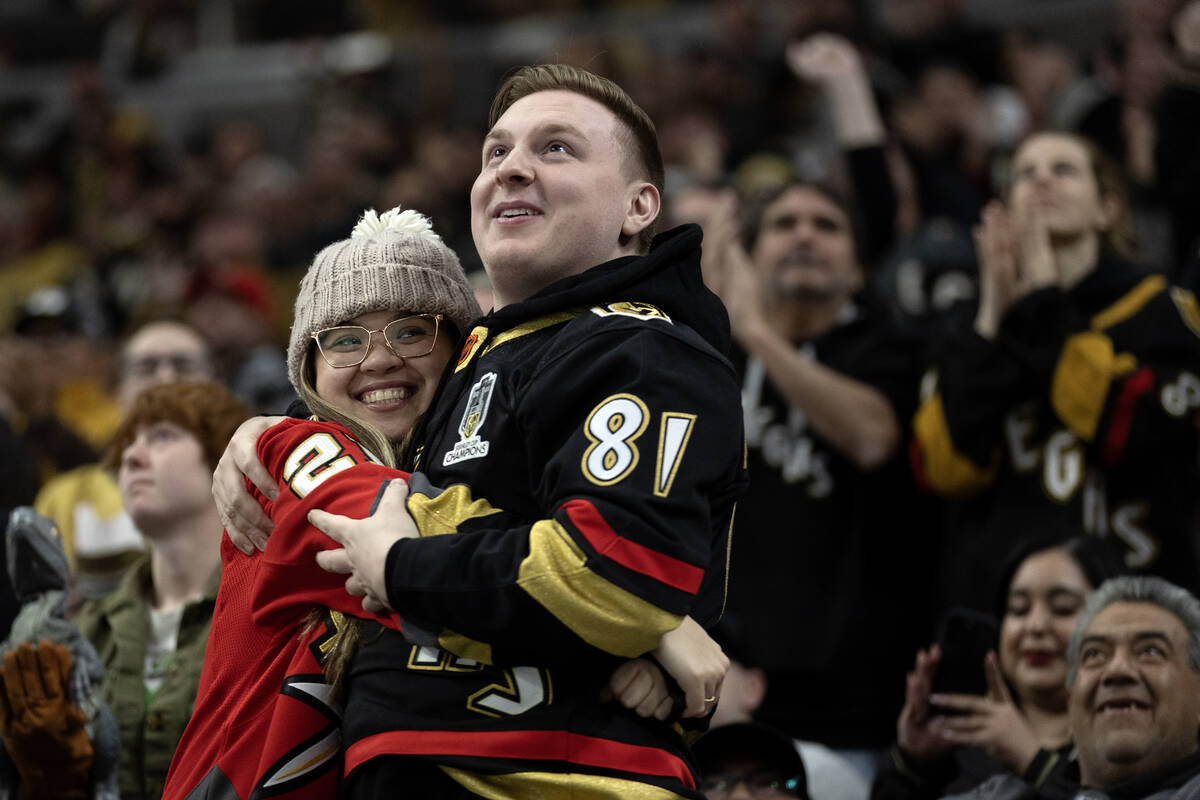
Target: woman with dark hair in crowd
948	743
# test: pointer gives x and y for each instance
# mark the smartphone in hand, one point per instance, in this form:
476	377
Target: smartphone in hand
965	636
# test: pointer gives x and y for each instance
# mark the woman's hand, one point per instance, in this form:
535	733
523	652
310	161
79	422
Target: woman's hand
640	686
917	731
992	722
998	272
697	664
244	520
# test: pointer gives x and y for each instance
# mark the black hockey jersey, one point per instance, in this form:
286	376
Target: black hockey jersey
1081	417
603	412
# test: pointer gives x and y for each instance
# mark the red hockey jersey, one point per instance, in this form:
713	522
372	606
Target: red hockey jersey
265	724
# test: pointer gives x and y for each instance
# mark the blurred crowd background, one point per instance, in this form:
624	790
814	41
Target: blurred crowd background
187	157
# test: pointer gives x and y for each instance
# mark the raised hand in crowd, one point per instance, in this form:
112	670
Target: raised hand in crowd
1015	258
833	63
918	730
730	272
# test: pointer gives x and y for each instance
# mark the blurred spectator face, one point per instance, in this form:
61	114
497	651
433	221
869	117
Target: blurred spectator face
1135	702
694	140
1045	598
696	203
221	239
236	142
1053	177
805	247
1186	30
747	778
163	475
161	352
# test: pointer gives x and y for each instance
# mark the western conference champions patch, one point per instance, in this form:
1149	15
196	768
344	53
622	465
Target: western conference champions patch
469	444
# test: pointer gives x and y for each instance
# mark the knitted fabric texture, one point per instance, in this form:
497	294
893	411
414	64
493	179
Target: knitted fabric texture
406	270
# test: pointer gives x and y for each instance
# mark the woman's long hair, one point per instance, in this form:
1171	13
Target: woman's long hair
348	635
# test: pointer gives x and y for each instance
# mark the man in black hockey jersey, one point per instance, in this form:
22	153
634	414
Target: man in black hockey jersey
595	401
828	522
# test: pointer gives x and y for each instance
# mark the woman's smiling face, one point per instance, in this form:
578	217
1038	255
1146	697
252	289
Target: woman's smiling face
385	390
1045	598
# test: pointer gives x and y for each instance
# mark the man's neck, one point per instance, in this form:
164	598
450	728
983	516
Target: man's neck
1159	770
801	318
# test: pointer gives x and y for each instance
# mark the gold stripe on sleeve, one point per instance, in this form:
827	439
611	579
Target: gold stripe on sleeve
1082	378
1185	301
555	574
444	512
465	646
947	471
1130	303
556	786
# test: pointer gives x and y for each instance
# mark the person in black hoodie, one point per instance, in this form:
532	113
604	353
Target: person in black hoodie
1068	404
597	402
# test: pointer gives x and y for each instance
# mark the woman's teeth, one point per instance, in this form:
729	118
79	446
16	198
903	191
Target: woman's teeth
385	395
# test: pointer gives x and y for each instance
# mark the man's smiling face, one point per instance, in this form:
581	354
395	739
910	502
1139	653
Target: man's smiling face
1135	702
554	194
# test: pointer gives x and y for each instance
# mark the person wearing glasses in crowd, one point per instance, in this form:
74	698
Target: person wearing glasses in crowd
100	538
750	761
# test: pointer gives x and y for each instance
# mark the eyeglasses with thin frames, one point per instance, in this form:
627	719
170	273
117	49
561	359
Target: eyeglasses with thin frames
408	337
764	785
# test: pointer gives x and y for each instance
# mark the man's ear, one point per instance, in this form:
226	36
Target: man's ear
643	208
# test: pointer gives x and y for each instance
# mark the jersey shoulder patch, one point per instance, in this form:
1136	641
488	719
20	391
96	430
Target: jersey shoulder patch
642	311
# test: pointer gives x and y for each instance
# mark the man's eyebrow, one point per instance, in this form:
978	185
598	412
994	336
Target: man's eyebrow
549	129
554	128
1142	636
496	133
1095	638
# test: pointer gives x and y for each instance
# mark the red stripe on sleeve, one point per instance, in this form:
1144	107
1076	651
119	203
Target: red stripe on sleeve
537	745
637	557
916	461
1135	386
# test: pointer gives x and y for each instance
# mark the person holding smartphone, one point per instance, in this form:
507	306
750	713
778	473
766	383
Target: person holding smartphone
947	743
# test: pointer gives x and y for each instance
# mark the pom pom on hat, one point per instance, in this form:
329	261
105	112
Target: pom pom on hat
393	260
406	221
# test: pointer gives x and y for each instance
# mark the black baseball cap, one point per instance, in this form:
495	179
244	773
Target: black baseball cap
770	748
